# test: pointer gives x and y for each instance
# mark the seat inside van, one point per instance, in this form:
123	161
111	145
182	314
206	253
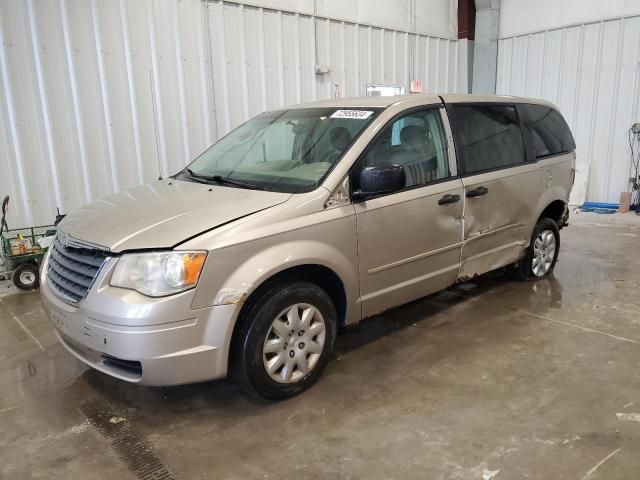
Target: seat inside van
417	155
416	143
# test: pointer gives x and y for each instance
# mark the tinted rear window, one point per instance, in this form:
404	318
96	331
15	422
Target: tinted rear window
550	133
488	137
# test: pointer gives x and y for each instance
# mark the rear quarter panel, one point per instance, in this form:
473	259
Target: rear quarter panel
558	175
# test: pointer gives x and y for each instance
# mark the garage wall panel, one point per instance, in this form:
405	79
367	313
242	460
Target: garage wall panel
591	71
10	159
102	95
56	94
116	86
24	111
306	46
142	87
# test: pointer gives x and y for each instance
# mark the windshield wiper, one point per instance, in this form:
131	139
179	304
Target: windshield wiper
195	177
222	180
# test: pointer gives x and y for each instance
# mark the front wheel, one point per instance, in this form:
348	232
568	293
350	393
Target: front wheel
542	254
285	340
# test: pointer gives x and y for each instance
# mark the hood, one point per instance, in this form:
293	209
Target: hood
163	214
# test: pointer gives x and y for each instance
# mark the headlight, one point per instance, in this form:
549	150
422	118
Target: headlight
158	274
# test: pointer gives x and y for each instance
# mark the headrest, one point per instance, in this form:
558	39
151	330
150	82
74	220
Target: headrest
411	133
339	137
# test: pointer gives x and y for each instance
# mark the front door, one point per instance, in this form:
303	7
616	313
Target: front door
409	241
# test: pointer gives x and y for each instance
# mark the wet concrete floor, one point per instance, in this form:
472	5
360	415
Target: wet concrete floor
493	379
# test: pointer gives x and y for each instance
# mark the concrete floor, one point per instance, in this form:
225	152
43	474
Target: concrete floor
487	380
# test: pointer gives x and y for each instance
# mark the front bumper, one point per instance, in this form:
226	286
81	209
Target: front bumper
149	341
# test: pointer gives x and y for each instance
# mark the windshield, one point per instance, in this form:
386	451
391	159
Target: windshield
285	151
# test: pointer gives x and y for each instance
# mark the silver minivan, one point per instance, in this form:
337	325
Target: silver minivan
303	220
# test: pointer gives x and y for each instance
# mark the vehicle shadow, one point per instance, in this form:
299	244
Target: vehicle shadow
223	395
423	311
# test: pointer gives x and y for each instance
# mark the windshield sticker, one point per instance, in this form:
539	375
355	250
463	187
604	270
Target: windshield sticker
356	114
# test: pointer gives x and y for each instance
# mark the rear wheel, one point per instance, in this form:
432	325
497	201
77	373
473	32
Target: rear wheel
27	276
542	253
285	340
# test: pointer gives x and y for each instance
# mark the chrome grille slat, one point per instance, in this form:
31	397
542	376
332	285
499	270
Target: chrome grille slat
73	265
65	273
77	269
93	258
72	270
69	289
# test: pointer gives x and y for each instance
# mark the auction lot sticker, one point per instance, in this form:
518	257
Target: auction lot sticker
357	114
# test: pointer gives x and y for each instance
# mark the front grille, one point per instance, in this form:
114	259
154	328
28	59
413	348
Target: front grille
71	270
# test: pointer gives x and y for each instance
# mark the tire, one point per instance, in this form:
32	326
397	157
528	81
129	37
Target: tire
27	276
266	324
536	263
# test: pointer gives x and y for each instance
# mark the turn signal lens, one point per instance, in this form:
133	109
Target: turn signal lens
184	269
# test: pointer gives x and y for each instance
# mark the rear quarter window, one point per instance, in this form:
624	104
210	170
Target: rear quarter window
548	131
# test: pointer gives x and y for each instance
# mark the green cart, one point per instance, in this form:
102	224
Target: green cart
22	251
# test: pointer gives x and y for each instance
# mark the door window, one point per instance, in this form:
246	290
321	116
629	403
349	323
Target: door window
416	142
550	133
488	137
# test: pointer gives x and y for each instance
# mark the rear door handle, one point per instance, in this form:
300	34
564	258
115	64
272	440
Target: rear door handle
449	198
477	192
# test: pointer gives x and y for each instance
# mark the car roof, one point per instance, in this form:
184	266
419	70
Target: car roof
474	98
429	98
372	101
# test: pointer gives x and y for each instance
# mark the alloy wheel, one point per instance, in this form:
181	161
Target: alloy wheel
294	343
544	251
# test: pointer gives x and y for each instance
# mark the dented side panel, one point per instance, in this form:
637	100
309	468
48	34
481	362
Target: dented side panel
497	225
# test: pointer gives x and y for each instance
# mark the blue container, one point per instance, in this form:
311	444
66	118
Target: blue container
612	206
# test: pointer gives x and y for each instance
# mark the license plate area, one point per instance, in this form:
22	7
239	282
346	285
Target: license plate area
75	330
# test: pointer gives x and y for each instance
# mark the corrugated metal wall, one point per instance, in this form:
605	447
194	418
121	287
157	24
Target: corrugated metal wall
592	72
101	95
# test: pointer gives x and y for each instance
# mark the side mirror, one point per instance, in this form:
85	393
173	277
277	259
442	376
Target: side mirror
380	179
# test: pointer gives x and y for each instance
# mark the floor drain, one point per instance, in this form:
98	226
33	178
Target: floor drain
136	452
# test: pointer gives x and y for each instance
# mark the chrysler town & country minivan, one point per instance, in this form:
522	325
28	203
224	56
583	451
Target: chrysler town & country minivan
301	221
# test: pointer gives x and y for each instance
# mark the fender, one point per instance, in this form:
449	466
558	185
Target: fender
235	272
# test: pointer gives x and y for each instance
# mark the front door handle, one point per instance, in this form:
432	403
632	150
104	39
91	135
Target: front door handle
477	192
449	198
